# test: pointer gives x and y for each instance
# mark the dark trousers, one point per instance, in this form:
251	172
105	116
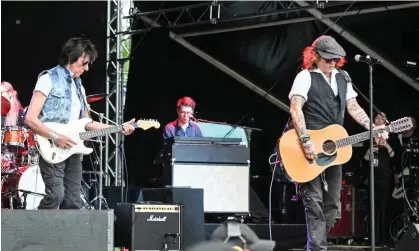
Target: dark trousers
62	184
321	206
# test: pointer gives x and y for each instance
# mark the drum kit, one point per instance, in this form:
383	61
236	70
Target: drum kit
21	181
22	186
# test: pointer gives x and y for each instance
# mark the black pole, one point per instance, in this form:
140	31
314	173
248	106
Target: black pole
122	158
372	183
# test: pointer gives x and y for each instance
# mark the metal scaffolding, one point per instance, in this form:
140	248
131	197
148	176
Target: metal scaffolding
212	13
117	45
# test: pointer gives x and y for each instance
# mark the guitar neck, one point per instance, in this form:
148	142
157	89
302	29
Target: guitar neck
360	137
101	132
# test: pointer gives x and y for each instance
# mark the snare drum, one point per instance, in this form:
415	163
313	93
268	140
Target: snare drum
14	136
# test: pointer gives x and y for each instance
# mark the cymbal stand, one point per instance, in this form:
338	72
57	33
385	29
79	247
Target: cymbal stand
84	198
99	198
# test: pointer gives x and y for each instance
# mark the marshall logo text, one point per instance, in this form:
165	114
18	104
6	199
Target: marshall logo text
154	218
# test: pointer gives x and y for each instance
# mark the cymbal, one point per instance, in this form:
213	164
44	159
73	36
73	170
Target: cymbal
5	106
95	97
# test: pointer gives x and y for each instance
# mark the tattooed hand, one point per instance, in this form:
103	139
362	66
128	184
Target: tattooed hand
309	150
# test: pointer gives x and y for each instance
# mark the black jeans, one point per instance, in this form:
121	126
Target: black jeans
62	184
321	206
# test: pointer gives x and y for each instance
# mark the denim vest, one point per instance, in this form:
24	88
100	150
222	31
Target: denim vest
57	107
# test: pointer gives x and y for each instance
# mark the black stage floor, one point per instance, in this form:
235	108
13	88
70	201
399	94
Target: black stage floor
347	248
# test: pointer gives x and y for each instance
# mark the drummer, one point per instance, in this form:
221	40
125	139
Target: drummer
10	105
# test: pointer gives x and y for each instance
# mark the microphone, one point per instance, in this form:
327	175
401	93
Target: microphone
191	117
400	137
367	59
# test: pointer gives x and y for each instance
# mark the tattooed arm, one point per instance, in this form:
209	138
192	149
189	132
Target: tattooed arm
357	113
297	115
299	122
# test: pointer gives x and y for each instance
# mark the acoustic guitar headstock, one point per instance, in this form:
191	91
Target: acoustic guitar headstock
401	125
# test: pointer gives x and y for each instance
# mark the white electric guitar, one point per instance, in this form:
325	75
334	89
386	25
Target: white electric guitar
76	131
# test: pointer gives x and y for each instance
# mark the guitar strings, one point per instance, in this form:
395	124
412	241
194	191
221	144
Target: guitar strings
333	145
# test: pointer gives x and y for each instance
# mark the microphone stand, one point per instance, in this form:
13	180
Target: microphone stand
225	123
370	64
372	182
247	129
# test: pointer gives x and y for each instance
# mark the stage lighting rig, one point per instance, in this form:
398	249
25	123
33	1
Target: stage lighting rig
320	4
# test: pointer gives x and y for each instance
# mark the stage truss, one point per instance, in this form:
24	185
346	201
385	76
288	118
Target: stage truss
203	15
117	55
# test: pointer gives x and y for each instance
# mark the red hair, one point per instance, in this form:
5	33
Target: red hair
311	58
186	101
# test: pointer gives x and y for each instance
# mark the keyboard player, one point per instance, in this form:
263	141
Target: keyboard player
183	126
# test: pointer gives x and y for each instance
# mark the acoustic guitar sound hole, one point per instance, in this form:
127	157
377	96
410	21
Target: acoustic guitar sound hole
329	147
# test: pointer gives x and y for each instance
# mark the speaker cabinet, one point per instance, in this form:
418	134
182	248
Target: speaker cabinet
221	170
226	187
52	230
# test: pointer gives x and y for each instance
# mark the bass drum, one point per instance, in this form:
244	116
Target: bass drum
32	187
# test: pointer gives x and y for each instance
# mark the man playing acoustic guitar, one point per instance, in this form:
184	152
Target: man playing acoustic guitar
319	96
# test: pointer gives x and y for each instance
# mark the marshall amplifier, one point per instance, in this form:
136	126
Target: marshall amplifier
151	226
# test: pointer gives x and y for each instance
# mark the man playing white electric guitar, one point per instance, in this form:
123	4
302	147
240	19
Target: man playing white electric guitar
59	97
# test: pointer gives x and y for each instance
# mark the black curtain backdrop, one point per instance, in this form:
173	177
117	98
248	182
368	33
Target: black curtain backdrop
34	45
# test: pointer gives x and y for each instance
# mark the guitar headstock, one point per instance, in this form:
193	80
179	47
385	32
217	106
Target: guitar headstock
401	125
147	124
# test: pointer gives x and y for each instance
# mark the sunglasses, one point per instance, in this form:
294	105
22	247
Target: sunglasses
332	60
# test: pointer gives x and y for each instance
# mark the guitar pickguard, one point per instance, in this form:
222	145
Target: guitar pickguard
324	160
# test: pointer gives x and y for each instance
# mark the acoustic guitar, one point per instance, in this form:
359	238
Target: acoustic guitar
334	147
